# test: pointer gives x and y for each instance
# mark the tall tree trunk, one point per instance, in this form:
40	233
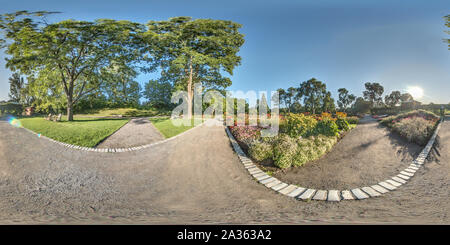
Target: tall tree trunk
69	109
190	90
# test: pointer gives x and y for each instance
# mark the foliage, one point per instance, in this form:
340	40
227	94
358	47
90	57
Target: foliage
342	124
415	129
393	99
345	99
10	108
315	96
260	150
245	133
192	51
447	24
361	106
125	112
299	125
158	93
86	132
352	120
373	93
71	57
283	151
427	115
326	127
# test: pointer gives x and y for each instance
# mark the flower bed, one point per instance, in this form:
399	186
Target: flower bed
415	126
301	139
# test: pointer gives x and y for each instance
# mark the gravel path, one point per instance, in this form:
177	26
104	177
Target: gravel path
136	132
196	178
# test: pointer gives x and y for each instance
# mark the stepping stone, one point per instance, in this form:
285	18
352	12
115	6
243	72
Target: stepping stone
347	195
307	194
413	166
407	174
399	180
379	189
266	181
370	191
410	170
288	189
320	195
273	183
255	172
333	196
262	177
250	166
359	194
387	186
403	176
394	183
256	175
279	186
296	192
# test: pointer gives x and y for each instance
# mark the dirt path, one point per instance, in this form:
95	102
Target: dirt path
136	132
365	156
196	178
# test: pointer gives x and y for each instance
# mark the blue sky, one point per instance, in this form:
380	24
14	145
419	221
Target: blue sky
342	43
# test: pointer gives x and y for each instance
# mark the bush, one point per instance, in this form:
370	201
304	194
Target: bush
11	108
391	120
326	127
246	134
342	124
352	120
417	130
283	151
299	125
260	151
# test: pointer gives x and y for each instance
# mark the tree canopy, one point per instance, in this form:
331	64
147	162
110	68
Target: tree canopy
194	51
345	99
75	54
373	93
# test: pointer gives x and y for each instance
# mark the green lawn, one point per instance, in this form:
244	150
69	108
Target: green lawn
87	132
125	112
166	127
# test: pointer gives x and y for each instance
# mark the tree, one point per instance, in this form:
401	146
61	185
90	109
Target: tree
195	51
16	87
361	106
282	96
158	92
328	103
313	93
120	86
291	97
447	24
406	97
78	52
393	99
373	93
345	99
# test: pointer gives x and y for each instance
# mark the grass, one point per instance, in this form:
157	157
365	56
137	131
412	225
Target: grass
167	127
86	132
125	112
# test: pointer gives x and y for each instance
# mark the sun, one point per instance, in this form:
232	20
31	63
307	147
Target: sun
416	92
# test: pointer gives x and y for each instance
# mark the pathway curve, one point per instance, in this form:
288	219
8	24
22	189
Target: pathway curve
195	178
137	132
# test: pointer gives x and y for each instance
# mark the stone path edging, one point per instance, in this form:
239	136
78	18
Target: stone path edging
302	193
113	150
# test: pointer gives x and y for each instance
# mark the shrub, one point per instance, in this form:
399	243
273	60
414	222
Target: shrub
260	150
283	151
326	127
352	120
245	134
342	124
416	130
299	125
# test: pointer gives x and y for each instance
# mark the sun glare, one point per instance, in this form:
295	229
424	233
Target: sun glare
416	92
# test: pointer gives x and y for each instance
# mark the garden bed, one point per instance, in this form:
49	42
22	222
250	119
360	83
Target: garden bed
415	126
301	139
